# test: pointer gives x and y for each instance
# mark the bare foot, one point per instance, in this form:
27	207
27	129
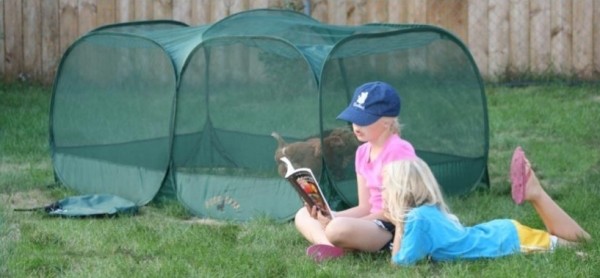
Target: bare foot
533	188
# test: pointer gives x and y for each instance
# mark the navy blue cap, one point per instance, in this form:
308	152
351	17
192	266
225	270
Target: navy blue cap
370	102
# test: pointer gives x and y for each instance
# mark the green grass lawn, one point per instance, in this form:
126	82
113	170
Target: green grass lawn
557	125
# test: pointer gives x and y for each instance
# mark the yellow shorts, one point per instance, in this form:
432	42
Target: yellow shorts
534	240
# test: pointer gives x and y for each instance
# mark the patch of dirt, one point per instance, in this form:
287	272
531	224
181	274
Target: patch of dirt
189	221
25	199
203	221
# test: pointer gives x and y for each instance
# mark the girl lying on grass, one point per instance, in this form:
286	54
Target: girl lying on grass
425	228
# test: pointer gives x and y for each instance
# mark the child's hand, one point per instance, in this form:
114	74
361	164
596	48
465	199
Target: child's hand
312	211
324	220
317	214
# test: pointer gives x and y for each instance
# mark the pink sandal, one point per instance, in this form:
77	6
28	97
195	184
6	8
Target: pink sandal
519	175
322	252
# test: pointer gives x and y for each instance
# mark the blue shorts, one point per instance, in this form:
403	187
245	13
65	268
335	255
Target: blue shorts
388	226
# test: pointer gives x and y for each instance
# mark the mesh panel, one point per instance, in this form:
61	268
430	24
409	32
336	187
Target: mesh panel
233	94
111	116
443	105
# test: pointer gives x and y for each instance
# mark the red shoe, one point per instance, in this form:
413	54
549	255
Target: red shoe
322	252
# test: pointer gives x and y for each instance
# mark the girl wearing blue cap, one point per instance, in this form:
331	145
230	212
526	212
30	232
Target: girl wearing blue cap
425	228
373	113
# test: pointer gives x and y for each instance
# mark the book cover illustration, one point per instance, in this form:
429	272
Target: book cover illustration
305	183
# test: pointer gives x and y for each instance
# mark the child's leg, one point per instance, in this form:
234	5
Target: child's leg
357	234
310	228
557	221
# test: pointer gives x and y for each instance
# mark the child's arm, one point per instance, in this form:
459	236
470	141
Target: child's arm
363	208
397	239
411	242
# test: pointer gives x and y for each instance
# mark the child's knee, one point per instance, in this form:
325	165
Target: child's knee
338	231
301	216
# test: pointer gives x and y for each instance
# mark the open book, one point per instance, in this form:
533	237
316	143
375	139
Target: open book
305	183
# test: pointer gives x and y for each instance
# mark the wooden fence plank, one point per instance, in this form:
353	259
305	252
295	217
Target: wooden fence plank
582	38
32	39
436	12
238	6
458	24
477	36
182	11
319	10
378	11
106	13
356	12
163	9
13	39
2	35
50	45
87	14
143	10
519	37
560	52
125	10
449	14
260	4
498	37
68	23
201	12
220	10
539	14
337	11
417	11
398	11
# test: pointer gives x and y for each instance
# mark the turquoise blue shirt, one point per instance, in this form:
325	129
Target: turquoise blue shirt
428	232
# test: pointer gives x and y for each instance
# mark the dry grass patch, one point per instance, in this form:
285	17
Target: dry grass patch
25	199
8	167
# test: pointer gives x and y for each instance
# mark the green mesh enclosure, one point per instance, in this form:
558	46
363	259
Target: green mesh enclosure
149	107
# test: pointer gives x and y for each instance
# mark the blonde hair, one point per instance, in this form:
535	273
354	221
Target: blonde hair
395	126
408	184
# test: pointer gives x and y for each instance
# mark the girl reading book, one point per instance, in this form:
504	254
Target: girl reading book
373	112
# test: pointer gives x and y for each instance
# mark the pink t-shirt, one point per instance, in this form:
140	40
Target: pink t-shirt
394	149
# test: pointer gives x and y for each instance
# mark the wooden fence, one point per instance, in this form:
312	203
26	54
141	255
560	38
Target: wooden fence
506	37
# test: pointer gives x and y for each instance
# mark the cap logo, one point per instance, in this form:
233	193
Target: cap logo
360	100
